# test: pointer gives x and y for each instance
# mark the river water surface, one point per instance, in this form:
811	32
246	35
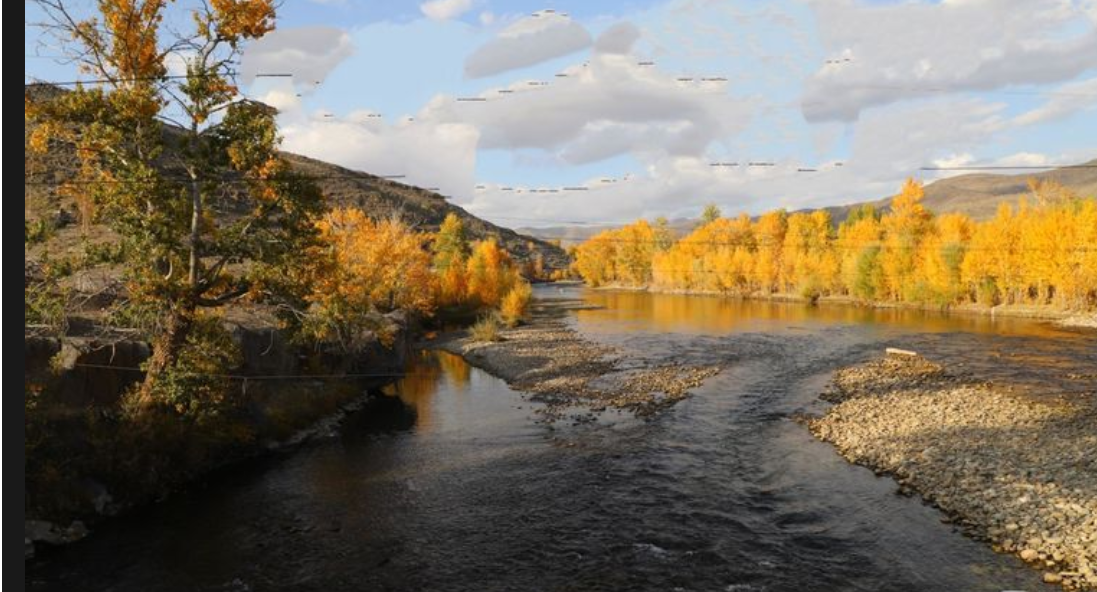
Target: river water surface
449	482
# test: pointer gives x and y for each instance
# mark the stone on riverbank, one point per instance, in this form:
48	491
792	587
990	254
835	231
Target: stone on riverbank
562	370
1017	470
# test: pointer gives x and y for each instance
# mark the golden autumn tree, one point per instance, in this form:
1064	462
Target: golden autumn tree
769	232
809	265
859	243
904	226
727	245
992	267
183	169
379	266
490	274
595	258
636	243
942	254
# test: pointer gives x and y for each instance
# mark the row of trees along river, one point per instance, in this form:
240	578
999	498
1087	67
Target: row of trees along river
1044	252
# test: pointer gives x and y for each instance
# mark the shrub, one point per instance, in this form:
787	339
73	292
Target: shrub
486	329
515	304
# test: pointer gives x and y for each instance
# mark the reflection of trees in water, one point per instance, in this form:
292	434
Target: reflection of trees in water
455	368
424	377
718	314
383	413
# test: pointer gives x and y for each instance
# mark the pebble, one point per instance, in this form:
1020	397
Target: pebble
1016	470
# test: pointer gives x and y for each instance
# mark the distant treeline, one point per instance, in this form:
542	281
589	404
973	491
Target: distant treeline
1043	252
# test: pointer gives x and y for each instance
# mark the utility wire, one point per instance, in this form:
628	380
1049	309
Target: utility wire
1010	168
146	79
256	377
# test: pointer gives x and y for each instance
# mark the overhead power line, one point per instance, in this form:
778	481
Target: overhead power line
143	79
942	89
224	180
1010	168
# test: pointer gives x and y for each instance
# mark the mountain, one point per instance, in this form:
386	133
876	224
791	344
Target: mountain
976	195
343	187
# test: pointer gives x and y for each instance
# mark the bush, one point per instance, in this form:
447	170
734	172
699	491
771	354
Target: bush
45	306
810	289
515	304
986	292
38	231
486	329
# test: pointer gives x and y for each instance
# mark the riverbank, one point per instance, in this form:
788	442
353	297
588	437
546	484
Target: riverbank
1062	318
1015	469
88	459
565	372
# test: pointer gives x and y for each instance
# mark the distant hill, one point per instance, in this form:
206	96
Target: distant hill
976	195
378	197
573	235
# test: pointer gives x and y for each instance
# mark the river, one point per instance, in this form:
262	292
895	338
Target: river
447	481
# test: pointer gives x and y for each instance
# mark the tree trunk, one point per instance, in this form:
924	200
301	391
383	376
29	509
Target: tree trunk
165	349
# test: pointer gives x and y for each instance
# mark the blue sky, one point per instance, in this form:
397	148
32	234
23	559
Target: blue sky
637	100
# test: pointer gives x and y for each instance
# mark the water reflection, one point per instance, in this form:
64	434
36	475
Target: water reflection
719	315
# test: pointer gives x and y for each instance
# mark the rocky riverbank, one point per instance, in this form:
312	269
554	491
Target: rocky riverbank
567	373
1016	469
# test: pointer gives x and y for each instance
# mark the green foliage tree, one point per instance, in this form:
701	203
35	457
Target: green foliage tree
451	244
184	169
710	214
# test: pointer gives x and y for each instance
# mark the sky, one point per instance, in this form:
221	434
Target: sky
570	111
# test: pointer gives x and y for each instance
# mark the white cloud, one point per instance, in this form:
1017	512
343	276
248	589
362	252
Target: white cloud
283	97
444	10
308	53
1025	159
602	108
487	18
887	146
911	50
954	160
1064	101
530	40
896	142
617	39
428	155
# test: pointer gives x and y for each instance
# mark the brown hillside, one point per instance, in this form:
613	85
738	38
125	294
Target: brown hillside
378	197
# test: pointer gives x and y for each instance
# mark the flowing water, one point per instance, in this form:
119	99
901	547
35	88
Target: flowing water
448	482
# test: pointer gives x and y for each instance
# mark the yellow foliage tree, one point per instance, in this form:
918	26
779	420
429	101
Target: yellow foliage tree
904	227
1045	255
490	274
515	305
379	266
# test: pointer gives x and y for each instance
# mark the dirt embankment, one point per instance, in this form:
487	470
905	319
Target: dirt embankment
566	372
1016	469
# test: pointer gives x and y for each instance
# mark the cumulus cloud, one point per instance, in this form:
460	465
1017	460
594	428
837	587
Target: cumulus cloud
1065	101
884	54
308	53
365	142
531	40
617	39
886	146
896	142
602	108
444	10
